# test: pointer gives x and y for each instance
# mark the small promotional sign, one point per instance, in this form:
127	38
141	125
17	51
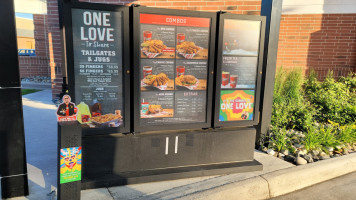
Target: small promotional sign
236	105
70	164
67	111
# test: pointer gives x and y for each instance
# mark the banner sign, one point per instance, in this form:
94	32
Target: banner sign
236	105
70	164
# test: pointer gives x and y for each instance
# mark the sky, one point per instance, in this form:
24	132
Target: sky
24	15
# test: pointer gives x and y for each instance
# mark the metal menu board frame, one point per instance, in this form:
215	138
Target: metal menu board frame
240	90
123	78
161	27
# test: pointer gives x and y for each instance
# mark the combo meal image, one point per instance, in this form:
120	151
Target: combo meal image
154	111
159	81
187	49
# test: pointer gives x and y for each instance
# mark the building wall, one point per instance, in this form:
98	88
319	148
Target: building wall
33	66
320	42
320	35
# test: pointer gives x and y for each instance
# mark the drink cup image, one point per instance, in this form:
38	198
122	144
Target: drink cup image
225	78
180	38
147	70
180	70
233	81
145	106
147	35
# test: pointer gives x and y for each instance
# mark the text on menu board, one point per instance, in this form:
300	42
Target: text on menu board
97	48
173	68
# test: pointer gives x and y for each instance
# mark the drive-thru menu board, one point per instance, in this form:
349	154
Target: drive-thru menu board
173	69
97	50
238	63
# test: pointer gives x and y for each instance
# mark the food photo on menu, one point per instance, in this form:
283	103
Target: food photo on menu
94	117
238	72
192	43
191	75
157	104
157	74
241	37
157	41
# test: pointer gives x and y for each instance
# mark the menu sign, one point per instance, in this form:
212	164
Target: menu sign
173	68
239	64
97	47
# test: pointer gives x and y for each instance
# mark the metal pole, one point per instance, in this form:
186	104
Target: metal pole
272	9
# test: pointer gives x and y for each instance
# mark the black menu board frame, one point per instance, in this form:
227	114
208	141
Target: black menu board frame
137	11
68	60
249	92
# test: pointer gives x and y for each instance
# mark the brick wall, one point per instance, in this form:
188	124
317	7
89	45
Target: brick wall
54	47
33	66
319	42
250	7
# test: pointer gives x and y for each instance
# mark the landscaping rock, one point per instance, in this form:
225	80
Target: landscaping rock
336	155
315	152
301	152
323	156
338	147
345	152
300	161
281	155
329	149
289	158
285	152
308	158
270	152
299	146
264	149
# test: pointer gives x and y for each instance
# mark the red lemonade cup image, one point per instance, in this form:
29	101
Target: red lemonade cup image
147	70
180	38
180	70
147	35
233	81
225	78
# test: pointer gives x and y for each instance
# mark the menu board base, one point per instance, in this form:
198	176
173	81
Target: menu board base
172	173
157	156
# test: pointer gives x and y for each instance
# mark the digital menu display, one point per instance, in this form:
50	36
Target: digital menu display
97	48
173	69
239	65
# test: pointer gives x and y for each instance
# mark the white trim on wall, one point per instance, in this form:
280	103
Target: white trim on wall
318	6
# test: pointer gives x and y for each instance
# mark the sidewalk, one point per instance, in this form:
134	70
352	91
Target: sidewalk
277	178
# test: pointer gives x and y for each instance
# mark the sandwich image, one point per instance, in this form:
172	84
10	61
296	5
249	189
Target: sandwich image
186	80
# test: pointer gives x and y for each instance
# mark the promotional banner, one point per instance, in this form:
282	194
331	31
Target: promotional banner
70	164
97	49
236	105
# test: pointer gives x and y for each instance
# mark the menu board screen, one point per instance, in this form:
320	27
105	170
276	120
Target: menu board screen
173	69
97	47
240	48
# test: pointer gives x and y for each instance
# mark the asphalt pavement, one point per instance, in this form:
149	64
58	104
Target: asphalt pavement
340	188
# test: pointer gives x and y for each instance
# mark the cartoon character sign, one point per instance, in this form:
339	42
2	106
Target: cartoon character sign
67	111
70	164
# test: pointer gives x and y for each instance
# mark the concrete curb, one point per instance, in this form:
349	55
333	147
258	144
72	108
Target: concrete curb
281	182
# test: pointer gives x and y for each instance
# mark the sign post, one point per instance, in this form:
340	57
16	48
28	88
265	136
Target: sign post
69	160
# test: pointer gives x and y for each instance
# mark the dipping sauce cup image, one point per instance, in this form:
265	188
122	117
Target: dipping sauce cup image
180	38
180	70
233	81
225	78
147	35
145	106
147	70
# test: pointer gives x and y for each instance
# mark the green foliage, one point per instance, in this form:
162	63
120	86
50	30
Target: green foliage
28	91
290	110
278	139
333	100
325	111
311	140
